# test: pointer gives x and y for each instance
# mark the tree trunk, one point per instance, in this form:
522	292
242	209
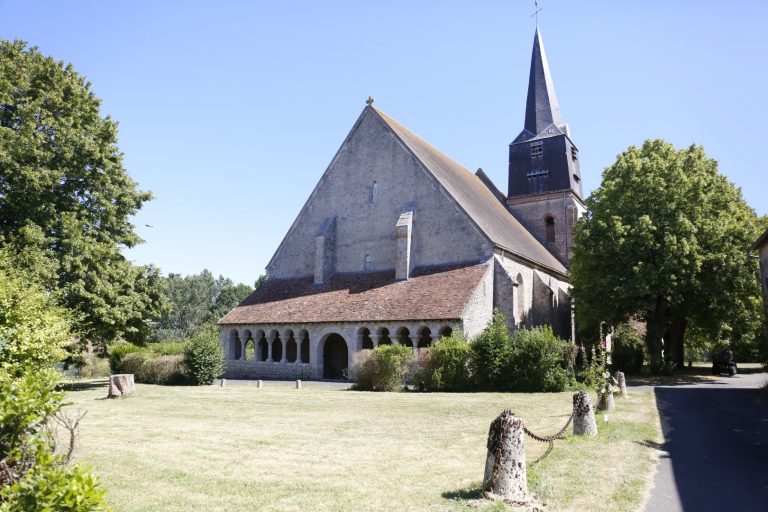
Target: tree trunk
120	385
505	476
677	331
583	415
655	326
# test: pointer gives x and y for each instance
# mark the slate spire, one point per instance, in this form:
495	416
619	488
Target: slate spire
541	109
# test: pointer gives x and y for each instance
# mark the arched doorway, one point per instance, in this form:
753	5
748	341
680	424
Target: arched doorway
335	355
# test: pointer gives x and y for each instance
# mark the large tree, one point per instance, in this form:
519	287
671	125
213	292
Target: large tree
197	299
66	199
666	238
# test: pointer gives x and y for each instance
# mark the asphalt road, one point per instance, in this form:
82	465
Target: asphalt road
715	454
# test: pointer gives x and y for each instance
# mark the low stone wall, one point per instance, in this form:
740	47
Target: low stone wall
268	370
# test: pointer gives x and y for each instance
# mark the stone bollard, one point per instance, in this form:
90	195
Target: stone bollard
583	415
605	401
223	382
121	384
505	476
298	384
622	384
259	384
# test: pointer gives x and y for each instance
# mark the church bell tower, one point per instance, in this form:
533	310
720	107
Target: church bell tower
544	179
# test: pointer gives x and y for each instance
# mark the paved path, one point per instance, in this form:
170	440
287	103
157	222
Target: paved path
716	447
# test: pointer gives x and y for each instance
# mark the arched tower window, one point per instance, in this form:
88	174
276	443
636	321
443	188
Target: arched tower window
549	224
368	263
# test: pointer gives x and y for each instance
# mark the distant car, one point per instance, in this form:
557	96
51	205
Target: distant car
722	362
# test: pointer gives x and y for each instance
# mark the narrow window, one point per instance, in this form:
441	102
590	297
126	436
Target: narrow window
537	149
549	222
368	263
374	192
574	153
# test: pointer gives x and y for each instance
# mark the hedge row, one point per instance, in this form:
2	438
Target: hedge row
527	360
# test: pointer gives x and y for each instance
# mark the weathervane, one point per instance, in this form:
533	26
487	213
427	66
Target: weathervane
536	14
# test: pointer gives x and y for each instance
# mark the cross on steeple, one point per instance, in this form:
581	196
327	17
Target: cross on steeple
538	10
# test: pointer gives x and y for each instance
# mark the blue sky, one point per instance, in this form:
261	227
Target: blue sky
229	112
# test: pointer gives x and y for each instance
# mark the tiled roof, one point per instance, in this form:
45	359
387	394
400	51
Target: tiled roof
485	209
430	294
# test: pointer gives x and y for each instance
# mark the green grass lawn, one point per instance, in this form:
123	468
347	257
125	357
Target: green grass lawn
238	448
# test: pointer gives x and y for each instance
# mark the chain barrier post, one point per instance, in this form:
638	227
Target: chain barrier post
583	415
622	384
505	477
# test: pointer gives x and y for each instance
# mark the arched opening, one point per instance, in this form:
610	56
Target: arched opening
304	336
290	347
446	331
335	355
263	348
384	338
250	349
235	350
277	347
404	337
364	337
425	338
549	224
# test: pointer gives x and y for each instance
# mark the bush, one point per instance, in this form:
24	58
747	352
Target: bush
382	369
492	356
628	350
168	348
204	357
34	476
447	365
148	368
93	366
118	352
537	361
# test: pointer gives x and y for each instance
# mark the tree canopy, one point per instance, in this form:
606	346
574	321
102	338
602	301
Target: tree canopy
197	299
666	239
66	199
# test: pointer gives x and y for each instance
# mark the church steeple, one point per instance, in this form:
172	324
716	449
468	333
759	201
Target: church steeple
541	109
544	176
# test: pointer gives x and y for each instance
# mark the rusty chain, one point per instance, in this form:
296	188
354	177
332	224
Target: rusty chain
553	437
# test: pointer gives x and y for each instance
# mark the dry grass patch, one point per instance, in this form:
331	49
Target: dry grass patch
239	448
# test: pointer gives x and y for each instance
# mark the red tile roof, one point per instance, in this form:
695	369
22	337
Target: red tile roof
430	294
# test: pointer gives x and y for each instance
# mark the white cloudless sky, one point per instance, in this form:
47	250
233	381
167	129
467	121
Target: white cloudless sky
230	112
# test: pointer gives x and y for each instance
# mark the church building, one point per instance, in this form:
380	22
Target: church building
398	243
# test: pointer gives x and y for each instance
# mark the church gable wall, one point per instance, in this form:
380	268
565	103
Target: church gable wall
372	180
478	312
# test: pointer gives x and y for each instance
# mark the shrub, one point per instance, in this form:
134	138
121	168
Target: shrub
491	356
118	352
537	360
628	350
203	356
446	366
34	477
148	368
93	366
168	348
382	369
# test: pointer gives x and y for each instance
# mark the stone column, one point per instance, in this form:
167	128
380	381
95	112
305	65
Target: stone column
242	348
269	349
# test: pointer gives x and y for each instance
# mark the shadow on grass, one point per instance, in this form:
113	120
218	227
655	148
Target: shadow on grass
650	444
83	386
474	492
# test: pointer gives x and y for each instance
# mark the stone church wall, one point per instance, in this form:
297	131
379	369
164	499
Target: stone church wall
478	312
532	211
372	180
